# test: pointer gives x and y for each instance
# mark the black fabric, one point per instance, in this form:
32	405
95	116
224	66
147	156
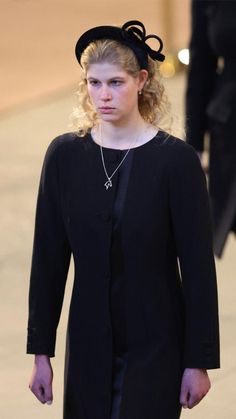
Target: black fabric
171	315
117	300
119	365
211	105
117	260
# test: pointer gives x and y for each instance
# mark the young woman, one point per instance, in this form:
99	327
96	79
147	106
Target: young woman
129	201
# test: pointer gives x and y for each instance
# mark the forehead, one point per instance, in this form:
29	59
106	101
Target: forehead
105	69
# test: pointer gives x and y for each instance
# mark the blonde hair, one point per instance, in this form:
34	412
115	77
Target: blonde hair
153	103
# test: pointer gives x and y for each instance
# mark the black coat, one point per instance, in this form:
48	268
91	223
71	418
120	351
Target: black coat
172	320
211	106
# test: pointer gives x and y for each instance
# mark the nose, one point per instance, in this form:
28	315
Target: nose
105	93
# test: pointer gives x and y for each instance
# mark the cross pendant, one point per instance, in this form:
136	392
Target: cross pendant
108	184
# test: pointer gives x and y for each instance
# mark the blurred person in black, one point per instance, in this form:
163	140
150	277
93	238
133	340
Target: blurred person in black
211	106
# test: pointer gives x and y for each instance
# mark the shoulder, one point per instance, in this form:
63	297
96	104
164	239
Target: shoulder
177	156
175	149
64	141
64	144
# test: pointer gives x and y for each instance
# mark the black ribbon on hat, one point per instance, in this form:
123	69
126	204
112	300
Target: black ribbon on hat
132	34
135	32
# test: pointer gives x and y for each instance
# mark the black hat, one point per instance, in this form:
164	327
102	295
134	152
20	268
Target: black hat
129	35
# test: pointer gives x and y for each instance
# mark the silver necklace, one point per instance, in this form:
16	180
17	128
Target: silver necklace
108	183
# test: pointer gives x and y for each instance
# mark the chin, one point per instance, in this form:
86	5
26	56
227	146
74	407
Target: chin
110	118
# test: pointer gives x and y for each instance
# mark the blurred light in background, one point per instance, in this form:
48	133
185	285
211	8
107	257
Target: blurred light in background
174	63
183	56
170	66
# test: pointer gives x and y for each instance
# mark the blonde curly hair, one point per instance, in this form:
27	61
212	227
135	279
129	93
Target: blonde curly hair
153	103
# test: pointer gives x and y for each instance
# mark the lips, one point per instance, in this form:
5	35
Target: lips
106	109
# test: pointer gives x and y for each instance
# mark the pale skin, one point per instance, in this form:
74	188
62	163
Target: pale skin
114	94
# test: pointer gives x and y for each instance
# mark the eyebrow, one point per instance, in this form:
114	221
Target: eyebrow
110	79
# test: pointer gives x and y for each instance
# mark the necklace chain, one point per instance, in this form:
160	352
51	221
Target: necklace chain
108	183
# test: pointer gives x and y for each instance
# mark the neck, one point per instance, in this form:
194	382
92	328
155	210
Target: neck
121	136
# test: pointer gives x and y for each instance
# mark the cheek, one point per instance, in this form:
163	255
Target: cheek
91	94
128	96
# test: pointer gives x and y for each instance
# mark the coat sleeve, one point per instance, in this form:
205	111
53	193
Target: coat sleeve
201	75
50	260
191	222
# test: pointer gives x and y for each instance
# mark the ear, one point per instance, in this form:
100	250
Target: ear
142	78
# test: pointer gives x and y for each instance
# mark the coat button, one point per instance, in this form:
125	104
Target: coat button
108	277
108	330
105	216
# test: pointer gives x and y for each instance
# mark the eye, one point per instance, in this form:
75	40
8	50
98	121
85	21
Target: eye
116	82
93	82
